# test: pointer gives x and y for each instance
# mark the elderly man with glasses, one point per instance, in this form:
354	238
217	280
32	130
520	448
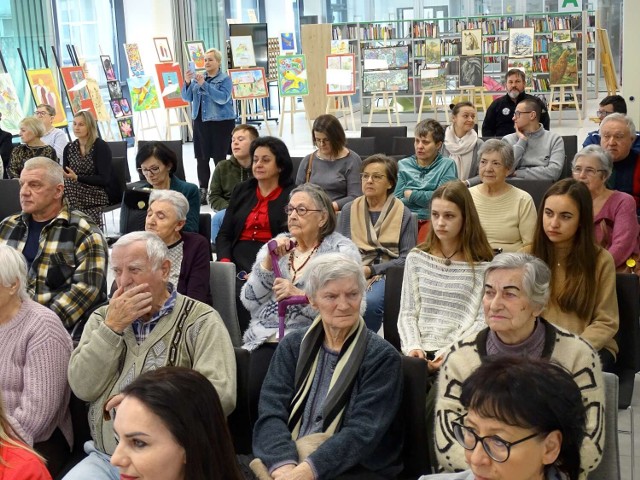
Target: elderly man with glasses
608	105
53	136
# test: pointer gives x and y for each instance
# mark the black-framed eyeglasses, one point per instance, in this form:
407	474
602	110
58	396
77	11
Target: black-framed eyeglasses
40	113
155	169
517	113
301	211
497	448
603	113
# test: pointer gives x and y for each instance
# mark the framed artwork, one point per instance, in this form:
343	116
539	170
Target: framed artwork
170	78
76	86
162	49
341	74
287	42
432	55
10	105
116	109
472	41
386	58
242	54
339	46
96	98
563	63
144	95
195	53
45	90
107	66
114	90
292	75
521	42
385	81
524	64
133	59
471	71
561	36
125	107
125	125
248	83
432	79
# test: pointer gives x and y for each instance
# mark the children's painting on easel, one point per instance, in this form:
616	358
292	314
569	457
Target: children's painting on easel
9	105
563	64
242	54
170	78
287	42
385	58
144	95
248	83
432	54
561	36
114	89
162	49
524	64
133	59
341	74
339	46
195	53
521	42
385	81
472	41
432	79
292	75
76	86
45	90
125	125
107	66
471	71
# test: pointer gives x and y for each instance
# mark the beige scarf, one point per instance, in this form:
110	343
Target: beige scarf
382	239
461	150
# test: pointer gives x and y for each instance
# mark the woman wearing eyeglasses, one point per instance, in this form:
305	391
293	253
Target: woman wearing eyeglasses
382	228
158	164
332	166
523	420
614	212
516	291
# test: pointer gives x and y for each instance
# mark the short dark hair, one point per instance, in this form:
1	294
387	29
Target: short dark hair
533	105
515	71
188	405
253	131
281	152
430	126
390	166
157	150
332	128
530	393
617	101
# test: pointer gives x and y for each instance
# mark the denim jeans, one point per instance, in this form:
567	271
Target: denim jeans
216	223
96	466
375	305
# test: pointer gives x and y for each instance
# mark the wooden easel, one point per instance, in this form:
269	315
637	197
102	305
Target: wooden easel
182	120
105	129
475	96
337	104
245	109
375	96
436	94
608	69
292	110
562	90
139	123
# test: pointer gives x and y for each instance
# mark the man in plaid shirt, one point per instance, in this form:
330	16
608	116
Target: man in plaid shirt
65	251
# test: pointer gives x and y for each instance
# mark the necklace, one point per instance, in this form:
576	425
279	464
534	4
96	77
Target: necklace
293	268
447	260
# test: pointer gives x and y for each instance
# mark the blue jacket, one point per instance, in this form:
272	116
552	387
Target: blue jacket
593	138
423	181
214	95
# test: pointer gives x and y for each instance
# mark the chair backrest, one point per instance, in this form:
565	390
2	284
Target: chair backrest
204	226
239	421
296	166
535	188
628	336
176	147
119	149
403	146
9	197
365	146
133	210
392	293
609	467
384	137
570	150
222	282
118	182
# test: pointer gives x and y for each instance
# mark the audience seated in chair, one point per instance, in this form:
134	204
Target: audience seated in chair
31	131
53	136
608	105
461	142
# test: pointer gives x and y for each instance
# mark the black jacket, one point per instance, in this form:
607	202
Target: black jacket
498	121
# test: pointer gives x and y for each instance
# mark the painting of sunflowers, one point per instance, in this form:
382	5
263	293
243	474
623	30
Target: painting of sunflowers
563	63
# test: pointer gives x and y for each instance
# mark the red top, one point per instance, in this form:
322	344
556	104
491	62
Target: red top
20	464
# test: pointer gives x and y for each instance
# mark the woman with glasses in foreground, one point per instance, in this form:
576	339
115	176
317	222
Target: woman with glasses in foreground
524	420
516	290
381	227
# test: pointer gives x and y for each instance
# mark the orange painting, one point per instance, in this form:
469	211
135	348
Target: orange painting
45	90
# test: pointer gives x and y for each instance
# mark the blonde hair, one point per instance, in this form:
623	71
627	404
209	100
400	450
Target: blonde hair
216	53
34	125
10	438
91	124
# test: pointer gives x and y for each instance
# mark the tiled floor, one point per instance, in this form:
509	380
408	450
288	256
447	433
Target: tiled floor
300	144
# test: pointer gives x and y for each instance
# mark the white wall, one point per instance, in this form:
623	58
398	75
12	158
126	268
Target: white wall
279	15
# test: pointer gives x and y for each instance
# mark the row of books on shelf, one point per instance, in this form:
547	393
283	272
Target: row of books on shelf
425	30
378	32
489	27
547	24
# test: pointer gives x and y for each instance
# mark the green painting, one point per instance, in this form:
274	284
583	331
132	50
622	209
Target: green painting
563	64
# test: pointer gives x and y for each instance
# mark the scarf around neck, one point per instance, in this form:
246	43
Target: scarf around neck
461	149
379	240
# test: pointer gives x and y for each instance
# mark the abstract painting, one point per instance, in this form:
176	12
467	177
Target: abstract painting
10	105
292	75
125	125
470	71
524	64
242	51
133	59
144	95
432	79
45	90
162	49
521	42
472	42
385	58
248	83
76	86
170	78
116	109
195	53
432	56
563	63
341	74
385	81
125	107
287	42
107	66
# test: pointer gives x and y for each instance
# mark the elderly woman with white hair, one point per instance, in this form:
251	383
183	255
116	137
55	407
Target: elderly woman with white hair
189	252
614	212
329	400
34	356
31	132
516	291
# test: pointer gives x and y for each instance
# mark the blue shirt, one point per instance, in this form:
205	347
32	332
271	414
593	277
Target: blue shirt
142	329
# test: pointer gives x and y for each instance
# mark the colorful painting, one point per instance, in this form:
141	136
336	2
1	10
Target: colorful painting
561	36
195	53
125	107
386	58
471	71
96	96
162	49
287	42
385	81
524	64
10	105
116	109
432	79
563	64
341	74
292	75
107	66
432	56
125	125
170	78
144	95
472	42
521	42
114	90
45	90
339	46
248	83
133	59
242	51
76	86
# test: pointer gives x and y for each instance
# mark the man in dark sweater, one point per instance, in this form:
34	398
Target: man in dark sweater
498	121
